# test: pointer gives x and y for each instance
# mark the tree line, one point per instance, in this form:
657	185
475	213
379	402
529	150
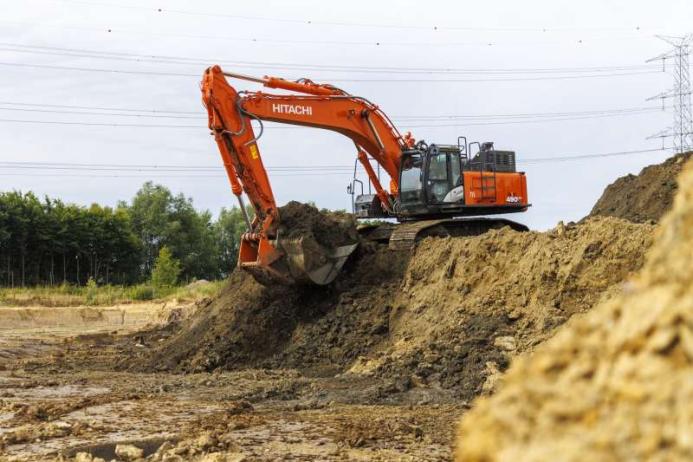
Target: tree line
48	242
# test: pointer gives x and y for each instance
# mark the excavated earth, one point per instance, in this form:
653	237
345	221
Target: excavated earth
329	229
615	384
376	366
644	197
439	321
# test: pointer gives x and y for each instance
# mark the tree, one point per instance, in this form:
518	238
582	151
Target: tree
227	232
166	269
50	242
150	211
162	219
97	242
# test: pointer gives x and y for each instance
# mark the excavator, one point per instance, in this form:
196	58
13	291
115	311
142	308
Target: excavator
434	189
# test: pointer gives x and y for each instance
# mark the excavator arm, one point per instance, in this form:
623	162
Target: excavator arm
321	106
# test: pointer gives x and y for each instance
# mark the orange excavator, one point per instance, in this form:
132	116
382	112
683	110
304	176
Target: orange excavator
434	189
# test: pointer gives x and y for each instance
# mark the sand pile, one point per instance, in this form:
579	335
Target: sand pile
616	384
645	197
448	316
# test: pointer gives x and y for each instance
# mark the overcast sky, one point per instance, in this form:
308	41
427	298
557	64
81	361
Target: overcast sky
604	45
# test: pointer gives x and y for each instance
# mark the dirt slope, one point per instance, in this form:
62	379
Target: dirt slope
644	197
615	384
447	317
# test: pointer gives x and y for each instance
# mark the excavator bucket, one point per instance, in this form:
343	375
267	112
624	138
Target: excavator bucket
309	262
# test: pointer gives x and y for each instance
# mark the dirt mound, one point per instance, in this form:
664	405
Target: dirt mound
467	306
614	384
645	197
446	317
251	325
330	229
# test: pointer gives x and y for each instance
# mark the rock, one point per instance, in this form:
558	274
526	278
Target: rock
223	457
84	457
493	377
239	407
506	343
161	453
205	441
128	452
515	314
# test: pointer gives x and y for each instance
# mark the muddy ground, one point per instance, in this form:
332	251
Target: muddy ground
60	395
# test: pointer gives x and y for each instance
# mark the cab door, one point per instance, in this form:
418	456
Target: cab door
443	175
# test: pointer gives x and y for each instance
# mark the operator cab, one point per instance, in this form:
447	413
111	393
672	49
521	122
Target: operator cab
442	181
431	176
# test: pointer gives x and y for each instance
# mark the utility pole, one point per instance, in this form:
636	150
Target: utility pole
681	131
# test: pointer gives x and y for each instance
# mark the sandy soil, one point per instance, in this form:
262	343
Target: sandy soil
644	197
614	384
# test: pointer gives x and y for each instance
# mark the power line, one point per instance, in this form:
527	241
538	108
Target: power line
513	118
91	69
98	124
537	160
311	42
294	127
56	111
514	79
532	120
432	27
179	74
295	170
69	106
530	114
159	168
221	175
109	55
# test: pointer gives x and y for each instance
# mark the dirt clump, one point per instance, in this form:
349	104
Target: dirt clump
614	384
436	324
329	229
643	197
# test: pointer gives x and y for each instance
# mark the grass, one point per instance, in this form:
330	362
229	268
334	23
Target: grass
106	295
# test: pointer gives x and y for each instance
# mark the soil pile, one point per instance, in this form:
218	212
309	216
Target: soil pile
613	385
330	229
645	197
446	317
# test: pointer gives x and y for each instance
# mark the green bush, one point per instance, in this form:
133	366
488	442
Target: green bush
142	292
166	269
92	289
